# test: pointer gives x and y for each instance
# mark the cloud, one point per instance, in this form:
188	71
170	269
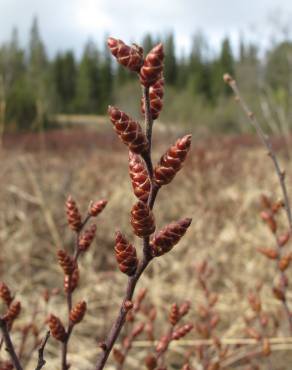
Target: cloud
69	23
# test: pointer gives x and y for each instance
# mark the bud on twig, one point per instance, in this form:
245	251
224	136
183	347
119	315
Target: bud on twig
5	294
182	331
174	314
152	67
139	176
97	207
66	262
77	313
12	312
156	93
73	214
172	161
129	56
169	236
142	220
71	281
269	252
125	255
86	238
57	328
129	131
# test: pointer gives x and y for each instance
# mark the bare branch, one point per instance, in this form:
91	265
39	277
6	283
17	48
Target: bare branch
41	361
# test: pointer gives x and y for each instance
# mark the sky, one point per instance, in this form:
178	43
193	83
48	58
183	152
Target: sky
68	24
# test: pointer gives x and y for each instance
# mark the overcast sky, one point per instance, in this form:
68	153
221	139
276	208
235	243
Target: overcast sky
69	23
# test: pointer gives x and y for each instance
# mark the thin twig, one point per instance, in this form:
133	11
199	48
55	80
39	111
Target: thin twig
9	345
41	361
266	142
64	362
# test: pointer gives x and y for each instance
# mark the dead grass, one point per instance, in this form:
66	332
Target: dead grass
219	189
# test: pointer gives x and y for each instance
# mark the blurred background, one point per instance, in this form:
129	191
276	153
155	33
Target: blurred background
54	60
57	78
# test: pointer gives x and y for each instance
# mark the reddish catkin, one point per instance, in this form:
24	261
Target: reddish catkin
12	312
182	331
126	255
5	294
71	282
128	130
172	161
169	236
152	66
77	313
142	220
174	315
156	93
66	262
57	328
129	56
139	177
97	207
86	238
73	214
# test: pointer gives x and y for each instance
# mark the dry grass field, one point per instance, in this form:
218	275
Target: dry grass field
219	187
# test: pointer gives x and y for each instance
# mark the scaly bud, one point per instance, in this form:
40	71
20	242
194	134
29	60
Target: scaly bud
152	66
142	220
184	308
284	262
126	255
129	56
57	328
71	281
129	131
86	238
269	252
73	214
97	207
66	262
174	314
269	219
182	331
283	239
139	176
156	93
5	294
172	161
169	236
12	312
77	313
279	294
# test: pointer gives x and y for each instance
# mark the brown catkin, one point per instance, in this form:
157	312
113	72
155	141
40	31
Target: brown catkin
139	177
169	236
142	220
128	130
5	294
172	161
73	214
152	67
130	57
126	255
86	238
77	313
57	328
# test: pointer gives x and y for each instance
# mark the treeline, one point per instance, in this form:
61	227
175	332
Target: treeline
33	86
